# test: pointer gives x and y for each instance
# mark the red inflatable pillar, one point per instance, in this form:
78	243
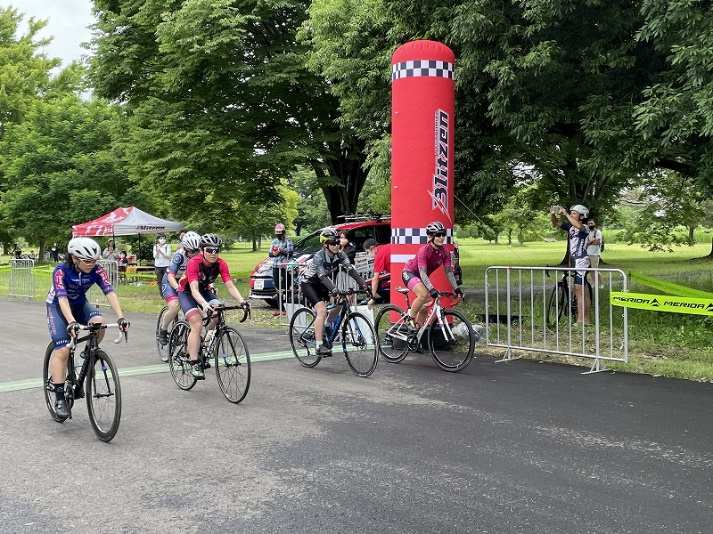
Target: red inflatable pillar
422	131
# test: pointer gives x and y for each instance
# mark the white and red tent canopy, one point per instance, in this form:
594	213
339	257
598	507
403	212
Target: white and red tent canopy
125	221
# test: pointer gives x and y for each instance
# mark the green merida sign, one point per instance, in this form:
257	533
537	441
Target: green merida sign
662	303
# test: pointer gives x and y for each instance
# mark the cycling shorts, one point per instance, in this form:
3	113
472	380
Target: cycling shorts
580	276
410	279
168	293
189	304
57	324
314	292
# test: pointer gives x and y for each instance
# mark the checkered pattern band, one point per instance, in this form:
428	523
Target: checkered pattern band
414	236
417	68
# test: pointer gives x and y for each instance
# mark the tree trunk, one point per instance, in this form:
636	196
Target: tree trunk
509	236
41	251
710	254
341	177
254	243
565	259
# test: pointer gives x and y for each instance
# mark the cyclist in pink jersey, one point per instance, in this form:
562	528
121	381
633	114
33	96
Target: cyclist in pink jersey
417	270
195	290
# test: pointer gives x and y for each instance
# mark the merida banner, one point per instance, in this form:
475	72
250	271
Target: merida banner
662	303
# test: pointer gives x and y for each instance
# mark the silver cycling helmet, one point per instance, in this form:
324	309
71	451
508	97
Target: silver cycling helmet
191	241
84	248
582	210
211	240
434	228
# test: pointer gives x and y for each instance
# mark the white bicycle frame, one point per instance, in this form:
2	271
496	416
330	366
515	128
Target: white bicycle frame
435	310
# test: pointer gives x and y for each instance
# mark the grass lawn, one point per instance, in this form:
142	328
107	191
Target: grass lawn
660	343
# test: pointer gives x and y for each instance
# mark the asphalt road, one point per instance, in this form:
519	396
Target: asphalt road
515	447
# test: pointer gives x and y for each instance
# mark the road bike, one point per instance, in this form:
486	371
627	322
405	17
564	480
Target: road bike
561	301
446	333
223	344
98	381
352	328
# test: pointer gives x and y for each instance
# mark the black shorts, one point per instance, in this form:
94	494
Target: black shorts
314	292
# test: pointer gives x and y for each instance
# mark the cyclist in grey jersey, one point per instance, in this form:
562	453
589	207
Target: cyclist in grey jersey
317	285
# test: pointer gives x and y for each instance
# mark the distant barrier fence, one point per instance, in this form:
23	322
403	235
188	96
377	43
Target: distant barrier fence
95	294
21	283
538	309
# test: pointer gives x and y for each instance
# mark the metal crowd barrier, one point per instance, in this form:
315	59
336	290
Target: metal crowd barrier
21	283
95	294
289	292
535	309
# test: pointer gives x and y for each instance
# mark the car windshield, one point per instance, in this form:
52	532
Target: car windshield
308	245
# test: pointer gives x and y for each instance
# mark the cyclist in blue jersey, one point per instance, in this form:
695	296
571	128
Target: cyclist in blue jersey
67	306
190	246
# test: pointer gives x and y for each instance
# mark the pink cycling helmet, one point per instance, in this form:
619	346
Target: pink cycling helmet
279	228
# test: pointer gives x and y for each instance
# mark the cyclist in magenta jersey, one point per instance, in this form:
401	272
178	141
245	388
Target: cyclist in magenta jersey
195	292
67	306
190	245
417	270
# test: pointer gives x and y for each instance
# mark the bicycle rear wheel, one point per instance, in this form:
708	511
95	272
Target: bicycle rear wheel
452	343
359	344
391	335
103	392
178	356
557	304
232	365
302	337
50	396
162	348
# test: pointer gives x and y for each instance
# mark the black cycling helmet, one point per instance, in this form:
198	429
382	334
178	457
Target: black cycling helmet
211	240
434	228
328	235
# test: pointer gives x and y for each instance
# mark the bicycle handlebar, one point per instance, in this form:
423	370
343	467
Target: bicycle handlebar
222	308
93	328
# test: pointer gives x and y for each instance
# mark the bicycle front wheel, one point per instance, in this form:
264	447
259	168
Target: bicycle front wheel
359	344
103	392
452	342
392	333
178	361
50	396
302	337
232	365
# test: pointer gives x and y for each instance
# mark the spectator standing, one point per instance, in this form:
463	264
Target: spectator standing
109	253
281	250
381	279
347	247
161	259
54	253
594	243
577	234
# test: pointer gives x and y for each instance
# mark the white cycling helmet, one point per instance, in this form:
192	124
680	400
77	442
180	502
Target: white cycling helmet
582	210
191	241
84	248
435	227
211	240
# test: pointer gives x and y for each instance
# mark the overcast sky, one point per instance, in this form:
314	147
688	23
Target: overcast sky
67	24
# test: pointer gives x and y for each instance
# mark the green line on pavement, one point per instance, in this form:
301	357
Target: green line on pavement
33	383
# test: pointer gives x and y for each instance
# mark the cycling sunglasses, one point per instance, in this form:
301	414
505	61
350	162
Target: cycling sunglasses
211	250
439	234
332	242
88	262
